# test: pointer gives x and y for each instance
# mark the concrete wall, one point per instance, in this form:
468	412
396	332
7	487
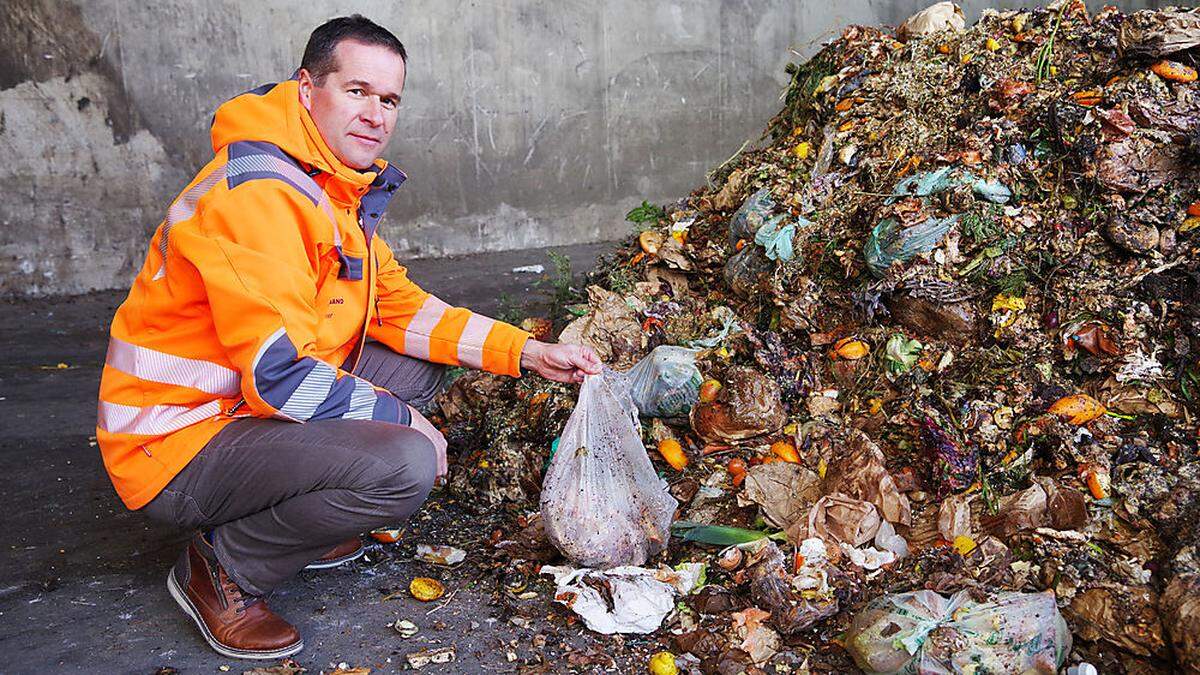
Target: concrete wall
523	124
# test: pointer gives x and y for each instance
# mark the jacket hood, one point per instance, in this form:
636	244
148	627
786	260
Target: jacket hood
272	113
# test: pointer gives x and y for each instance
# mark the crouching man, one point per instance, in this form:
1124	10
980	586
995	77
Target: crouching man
266	375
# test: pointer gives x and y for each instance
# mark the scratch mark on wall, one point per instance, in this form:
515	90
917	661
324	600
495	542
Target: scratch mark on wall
533	139
473	89
440	130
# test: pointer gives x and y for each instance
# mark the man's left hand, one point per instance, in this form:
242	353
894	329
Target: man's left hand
561	363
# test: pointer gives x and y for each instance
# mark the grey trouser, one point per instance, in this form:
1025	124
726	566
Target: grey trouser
278	495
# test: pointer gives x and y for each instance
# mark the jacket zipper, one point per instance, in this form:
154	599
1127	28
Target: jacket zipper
234	409
362	338
378	315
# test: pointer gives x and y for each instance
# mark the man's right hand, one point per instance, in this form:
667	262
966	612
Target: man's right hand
560	362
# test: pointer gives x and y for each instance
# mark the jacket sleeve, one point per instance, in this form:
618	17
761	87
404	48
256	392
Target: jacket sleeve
413	322
254	254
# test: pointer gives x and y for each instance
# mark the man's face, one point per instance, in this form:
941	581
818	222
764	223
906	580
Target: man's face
355	107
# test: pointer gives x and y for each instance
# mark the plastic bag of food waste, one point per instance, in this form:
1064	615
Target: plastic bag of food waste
925	632
666	383
602	504
746	271
888	243
750	216
1149	33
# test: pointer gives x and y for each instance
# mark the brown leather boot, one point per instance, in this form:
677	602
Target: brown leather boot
234	623
351	549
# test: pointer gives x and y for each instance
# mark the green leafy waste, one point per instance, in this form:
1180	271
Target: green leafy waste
646	213
717	535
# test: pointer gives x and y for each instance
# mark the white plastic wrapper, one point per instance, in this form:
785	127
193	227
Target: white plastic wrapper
638	599
602	503
666	383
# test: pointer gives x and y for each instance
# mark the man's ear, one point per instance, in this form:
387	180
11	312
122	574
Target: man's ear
306	87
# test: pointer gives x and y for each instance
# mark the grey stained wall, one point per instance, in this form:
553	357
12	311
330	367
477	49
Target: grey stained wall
524	123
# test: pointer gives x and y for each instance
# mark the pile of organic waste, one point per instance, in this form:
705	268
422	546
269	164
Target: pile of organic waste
933	399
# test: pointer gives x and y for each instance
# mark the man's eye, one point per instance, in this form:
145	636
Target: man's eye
358	92
391	102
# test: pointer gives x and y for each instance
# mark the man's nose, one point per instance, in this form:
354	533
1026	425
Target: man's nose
373	112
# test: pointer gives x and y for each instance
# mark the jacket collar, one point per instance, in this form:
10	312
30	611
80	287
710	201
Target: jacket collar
375	201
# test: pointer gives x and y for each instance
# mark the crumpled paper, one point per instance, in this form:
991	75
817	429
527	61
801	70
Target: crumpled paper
783	490
886	539
1180	607
1138	165
954	517
1066	509
1159	33
869	558
934	18
860	473
1024	510
624	599
837	518
612	328
1126	617
672	253
758	639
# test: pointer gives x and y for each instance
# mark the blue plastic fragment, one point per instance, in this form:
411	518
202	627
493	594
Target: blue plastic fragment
992	191
776	237
888	243
929	183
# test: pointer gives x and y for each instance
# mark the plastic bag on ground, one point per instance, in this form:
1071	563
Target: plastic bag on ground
666	383
929	183
750	216
602	504
924	632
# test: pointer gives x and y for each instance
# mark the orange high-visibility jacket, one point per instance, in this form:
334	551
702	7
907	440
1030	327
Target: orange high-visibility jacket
256	295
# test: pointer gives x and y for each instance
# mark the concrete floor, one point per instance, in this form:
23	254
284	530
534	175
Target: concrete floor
82	579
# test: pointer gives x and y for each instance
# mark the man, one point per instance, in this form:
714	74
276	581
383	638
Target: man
240	395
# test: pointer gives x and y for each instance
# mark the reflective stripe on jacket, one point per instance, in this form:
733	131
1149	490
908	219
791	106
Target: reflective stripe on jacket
258	290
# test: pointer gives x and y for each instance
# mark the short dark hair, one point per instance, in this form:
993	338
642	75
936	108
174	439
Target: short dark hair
319	59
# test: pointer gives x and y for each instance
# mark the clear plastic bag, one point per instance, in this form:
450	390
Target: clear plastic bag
747	270
924	632
666	383
750	216
602	503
